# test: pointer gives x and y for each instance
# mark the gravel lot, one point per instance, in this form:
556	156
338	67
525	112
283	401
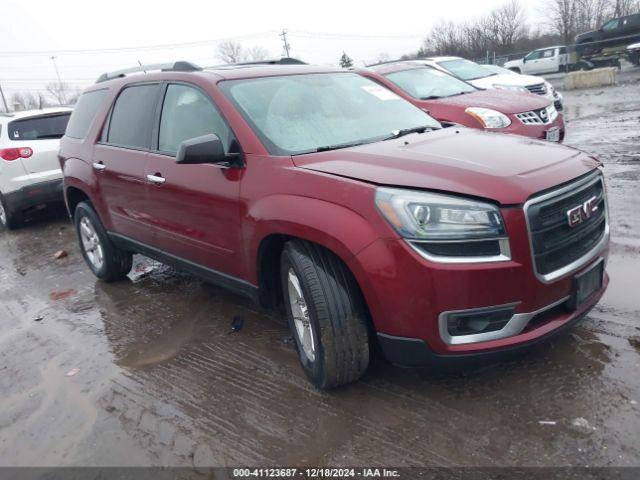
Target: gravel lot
162	382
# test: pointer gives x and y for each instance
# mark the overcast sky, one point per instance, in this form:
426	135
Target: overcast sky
318	32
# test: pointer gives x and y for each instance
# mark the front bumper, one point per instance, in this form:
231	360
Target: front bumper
534	131
415	352
407	293
33	195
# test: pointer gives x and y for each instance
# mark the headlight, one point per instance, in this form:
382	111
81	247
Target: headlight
489	118
445	228
515	88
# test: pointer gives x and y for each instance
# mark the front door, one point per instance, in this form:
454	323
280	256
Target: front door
120	158
193	209
530	64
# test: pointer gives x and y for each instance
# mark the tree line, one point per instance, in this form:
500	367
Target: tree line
505	29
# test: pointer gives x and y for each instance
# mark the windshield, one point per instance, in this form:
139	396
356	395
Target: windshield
296	114
425	83
465	69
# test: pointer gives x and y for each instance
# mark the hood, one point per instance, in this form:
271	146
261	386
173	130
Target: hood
504	101
502	167
506	79
583	35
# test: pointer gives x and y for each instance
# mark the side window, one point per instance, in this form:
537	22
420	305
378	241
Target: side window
188	113
548	53
533	55
612	25
563	50
84	112
132	116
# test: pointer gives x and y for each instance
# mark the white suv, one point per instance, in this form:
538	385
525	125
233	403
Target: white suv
484	78
29	169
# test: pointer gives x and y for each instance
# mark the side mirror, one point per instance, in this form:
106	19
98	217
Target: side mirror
524	60
205	149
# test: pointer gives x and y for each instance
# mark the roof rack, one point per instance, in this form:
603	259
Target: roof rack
180	66
276	61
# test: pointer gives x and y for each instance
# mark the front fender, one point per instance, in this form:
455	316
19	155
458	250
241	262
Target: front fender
342	230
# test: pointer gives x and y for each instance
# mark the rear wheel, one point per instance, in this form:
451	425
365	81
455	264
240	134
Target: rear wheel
9	219
106	260
326	314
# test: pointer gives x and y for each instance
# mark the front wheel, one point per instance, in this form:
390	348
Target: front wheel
106	260
326	314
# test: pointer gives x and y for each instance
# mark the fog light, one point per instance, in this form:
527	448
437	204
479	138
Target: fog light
479	321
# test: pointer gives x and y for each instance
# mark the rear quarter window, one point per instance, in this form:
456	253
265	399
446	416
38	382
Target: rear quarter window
43	127
84	113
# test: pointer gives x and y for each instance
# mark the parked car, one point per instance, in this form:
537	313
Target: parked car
543	60
481	77
616	32
322	191
30	174
449	99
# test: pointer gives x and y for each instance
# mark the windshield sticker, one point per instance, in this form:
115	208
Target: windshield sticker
380	92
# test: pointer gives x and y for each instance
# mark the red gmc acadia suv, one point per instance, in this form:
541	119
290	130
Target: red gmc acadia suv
322	191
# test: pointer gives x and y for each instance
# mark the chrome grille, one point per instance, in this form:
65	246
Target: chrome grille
558	248
542	116
538	89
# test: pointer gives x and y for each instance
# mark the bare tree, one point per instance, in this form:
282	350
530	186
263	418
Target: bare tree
569	17
505	25
230	52
59	91
73	96
256	54
383	57
28	101
626	7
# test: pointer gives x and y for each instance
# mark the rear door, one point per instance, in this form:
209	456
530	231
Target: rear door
193	209
41	133
119	160
548	61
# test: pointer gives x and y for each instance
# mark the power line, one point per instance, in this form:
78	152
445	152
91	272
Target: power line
94	51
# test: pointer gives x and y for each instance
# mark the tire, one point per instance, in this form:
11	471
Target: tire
336	316
9	218
115	263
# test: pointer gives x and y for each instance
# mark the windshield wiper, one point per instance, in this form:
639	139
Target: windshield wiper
430	97
407	131
338	146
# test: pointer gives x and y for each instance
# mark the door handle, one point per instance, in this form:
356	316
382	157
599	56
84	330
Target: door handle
157	179
99	166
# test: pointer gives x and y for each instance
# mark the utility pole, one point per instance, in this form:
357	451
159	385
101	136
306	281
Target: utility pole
4	100
286	45
60	86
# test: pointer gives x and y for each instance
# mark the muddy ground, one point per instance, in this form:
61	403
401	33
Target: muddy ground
162	382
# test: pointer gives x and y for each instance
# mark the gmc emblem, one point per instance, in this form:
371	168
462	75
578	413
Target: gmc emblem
579	214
